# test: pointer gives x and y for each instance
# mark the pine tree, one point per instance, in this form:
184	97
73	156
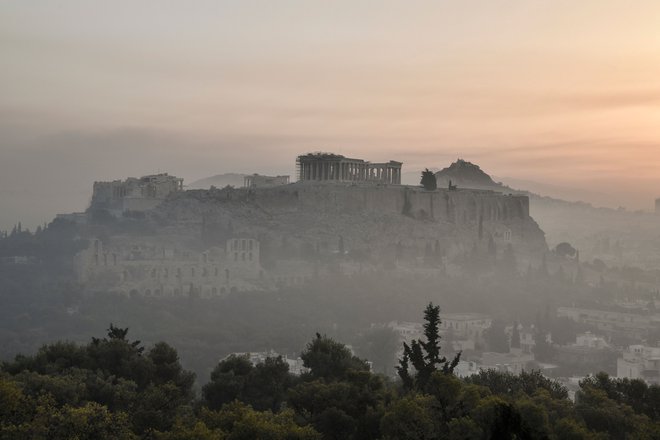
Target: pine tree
428	180
515	336
424	355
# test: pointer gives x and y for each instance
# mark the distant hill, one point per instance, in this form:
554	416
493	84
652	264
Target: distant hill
219	181
568	193
467	175
616	236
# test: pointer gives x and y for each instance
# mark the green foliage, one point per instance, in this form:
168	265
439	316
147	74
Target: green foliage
380	345
515	336
526	383
330	360
263	386
565	249
429	181
496	339
410	418
112	388
241	422
424	355
150	390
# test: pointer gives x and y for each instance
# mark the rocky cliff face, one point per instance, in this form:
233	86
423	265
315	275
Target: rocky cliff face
373	219
290	233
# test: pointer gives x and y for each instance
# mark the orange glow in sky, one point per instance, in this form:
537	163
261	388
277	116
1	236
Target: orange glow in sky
562	92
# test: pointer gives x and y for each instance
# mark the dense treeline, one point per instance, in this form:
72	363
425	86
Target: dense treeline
114	388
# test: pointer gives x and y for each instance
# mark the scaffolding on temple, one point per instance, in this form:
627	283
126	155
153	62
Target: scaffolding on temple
321	166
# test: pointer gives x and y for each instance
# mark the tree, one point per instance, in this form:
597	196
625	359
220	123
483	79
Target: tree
515	336
379	345
227	381
340	245
496	337
410	419
329	359
428	180
565	249
266	385
241	422
424	355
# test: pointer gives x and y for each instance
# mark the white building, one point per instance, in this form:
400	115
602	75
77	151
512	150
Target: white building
152	270
466	368
134	194
631	324
466	325
296	366
589	340
407	331
640	362
513	362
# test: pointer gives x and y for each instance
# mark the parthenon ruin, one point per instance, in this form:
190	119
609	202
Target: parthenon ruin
335	167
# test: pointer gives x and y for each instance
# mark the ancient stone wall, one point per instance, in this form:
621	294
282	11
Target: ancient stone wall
459	207
166	272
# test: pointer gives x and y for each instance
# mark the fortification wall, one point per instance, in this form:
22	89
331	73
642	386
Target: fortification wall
459	207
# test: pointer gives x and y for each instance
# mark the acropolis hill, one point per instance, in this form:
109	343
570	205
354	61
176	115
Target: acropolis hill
342	215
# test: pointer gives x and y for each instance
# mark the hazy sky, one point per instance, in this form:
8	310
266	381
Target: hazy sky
562	92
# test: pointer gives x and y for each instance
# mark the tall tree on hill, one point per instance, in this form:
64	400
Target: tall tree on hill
428	180
425	355
496	338
515	336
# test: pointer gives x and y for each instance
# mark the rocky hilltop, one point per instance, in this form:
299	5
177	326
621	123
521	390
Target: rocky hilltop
467	175
616	236
213	241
